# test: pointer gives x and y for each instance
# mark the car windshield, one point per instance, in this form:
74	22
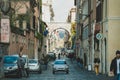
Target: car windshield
50	53
60	62
32	61
10	59
24	59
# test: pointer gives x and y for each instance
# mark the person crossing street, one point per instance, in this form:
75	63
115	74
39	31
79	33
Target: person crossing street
21	63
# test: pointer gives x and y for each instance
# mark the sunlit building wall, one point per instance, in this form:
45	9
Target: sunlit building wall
111	29
105	19
45	10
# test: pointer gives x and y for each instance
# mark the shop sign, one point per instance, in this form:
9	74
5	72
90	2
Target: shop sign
5	30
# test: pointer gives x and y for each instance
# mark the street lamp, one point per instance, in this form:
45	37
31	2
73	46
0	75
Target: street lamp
5	6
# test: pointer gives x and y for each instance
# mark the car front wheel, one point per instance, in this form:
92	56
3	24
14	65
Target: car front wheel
40	71
53	72
27	72
67	72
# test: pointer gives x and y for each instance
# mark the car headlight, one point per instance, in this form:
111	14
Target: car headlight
15	67
54	67
12	67
66	67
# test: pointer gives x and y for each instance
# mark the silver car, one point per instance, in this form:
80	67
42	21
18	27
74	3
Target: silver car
60	65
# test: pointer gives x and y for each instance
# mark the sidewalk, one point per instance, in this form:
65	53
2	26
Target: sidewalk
91	74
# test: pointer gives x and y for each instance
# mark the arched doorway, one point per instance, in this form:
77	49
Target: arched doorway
57	36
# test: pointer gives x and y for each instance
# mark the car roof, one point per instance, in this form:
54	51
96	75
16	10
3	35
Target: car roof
9	55
33	59
50	52
22	55
60	60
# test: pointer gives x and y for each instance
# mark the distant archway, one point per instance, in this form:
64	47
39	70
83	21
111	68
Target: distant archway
55	41
57	29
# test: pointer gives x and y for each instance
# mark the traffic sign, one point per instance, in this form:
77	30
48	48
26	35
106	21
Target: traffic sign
99	36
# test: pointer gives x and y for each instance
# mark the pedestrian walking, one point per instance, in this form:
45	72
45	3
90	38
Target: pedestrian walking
64	54
46	60
21	63
80	62
71	55
54	56
59	56
115	66
96	65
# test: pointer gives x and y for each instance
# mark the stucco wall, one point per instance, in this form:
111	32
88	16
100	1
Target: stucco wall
113	33
114	8
113	16
113	38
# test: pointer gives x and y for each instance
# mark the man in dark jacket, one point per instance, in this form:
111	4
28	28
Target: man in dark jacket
113	66
21	63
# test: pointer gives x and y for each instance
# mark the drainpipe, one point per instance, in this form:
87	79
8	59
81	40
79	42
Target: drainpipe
89	31
101	41
93	29
78	25
106	39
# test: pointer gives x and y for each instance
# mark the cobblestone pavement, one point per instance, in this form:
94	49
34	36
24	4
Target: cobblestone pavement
75	74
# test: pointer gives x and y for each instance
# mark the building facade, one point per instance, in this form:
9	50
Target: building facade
25	29
98	22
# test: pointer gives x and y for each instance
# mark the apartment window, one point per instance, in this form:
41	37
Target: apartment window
98	12
16	38
17	23
75	2
85	33
24	24
34	22
13	38
92	4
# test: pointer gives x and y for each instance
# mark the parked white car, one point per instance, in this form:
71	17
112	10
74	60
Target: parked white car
60	65
34	66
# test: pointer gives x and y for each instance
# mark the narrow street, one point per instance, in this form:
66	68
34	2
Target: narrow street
37	30
75	74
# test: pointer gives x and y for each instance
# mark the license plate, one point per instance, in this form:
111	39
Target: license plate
6	71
